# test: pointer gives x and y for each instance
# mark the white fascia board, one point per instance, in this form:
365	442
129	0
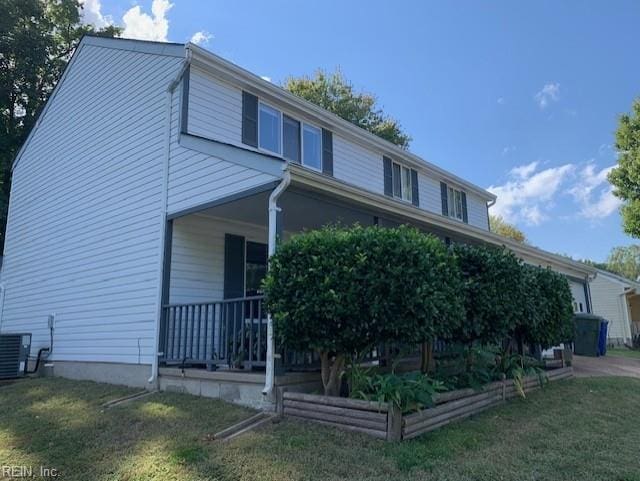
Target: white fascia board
246	80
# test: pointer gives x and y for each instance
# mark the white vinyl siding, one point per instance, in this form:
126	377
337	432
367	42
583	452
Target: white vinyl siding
196	178
357	166
609	302
477	211
215	108
83	235
197	260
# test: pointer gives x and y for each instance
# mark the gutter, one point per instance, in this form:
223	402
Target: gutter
273	211
163	211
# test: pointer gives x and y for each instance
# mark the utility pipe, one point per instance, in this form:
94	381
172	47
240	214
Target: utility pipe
163	211
273	212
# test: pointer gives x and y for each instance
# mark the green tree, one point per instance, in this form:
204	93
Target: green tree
340	292
626	176
501	227
625	261
37	39
335	94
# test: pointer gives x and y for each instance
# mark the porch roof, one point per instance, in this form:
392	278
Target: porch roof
310	180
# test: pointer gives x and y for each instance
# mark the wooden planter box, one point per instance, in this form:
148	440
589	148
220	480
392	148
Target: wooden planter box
384	421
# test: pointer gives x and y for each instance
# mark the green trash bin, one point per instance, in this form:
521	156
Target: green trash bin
587	334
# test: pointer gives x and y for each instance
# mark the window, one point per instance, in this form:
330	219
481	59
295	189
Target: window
312	147
290	139
256	268
402	188
269	125
454	201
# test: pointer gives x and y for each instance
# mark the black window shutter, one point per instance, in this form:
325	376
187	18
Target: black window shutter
233	266
465	217
249	119
443	197
327	152
414	188
388	177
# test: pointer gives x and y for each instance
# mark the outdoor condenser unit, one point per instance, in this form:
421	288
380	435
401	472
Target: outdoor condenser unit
14	354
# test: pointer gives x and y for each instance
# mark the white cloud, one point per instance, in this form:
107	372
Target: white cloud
91	13
524	171
527	196
265	77
142	26
550	92
594	194
530	195
201	38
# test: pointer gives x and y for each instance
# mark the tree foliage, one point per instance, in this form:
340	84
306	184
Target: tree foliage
625	177
335	94
493	291
501	227
341	291
625	261
37	40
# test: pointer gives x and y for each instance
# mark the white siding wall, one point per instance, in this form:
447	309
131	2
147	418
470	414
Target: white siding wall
83	236
215	112
197	261
215	108
358	166
608	302
196	178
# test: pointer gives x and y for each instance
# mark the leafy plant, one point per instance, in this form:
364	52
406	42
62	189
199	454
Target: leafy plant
492	292
518	367
340	291
409	392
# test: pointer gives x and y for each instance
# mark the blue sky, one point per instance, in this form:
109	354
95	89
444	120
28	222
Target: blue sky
521	98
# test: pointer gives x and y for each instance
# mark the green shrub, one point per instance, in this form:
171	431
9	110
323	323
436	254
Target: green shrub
409	392
493	290
342	291
547	312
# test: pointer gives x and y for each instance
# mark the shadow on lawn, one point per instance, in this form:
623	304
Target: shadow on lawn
60	424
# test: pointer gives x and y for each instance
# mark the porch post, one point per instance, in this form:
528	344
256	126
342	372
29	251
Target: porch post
274	210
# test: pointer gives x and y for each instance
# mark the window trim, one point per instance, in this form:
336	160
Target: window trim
409	186
302	161
280	123
452	203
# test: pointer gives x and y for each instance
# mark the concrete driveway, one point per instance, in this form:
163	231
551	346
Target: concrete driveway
606	366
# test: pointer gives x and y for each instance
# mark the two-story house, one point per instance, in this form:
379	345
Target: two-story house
152	189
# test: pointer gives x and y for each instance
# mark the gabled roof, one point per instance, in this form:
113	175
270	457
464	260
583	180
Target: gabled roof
628	283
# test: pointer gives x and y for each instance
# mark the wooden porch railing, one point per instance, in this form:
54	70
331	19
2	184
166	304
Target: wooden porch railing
231	333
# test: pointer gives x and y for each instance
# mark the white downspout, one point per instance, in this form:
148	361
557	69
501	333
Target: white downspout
163	212
269	380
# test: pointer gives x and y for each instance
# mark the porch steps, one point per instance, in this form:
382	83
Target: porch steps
244	426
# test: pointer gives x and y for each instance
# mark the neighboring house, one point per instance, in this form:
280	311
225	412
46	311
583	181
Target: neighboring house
617	299
150	193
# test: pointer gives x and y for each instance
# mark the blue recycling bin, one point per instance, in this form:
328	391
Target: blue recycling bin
602	339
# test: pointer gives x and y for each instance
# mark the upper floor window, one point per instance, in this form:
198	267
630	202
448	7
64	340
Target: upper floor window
454	200
312	147
269	128
402	187
291	139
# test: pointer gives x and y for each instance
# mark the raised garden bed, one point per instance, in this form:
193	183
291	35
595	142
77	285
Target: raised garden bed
384	421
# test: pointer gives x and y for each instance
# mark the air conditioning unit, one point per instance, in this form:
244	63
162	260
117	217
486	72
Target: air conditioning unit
14	355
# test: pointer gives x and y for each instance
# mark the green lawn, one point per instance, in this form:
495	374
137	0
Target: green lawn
570	430
623	352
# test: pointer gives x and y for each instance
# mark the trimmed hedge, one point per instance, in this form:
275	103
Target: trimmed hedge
342	291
